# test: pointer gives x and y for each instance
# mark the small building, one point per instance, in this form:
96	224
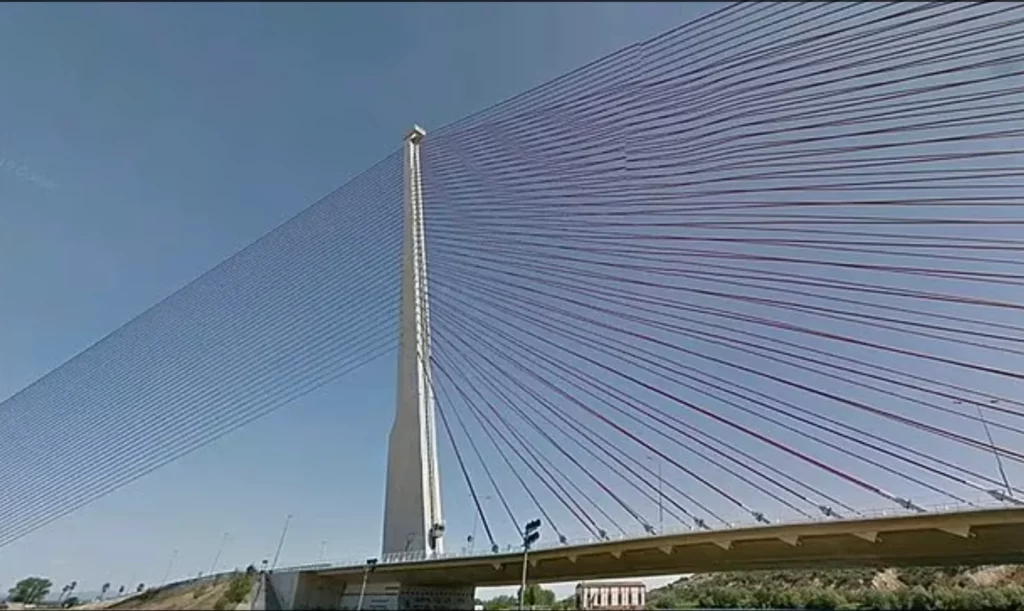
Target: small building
611	595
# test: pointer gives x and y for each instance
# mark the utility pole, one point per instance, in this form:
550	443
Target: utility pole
216	557
370	564
323	549
280	543
530	536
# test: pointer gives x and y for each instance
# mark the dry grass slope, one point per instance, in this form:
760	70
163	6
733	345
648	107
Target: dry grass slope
229	592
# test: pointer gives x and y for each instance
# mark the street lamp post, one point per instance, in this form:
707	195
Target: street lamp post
661	504
476	518
992	445
372	562
167	575
280	542
220	549
530	536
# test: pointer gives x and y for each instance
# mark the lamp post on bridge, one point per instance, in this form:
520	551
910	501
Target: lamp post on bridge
530	536
471	540
661	499
170	564
992	445
370	564
280	542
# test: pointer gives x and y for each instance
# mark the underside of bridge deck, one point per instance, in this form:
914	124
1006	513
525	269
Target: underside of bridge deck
980	537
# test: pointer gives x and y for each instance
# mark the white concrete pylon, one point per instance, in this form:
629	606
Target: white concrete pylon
412	505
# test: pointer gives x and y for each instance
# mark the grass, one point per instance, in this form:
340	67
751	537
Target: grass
238	589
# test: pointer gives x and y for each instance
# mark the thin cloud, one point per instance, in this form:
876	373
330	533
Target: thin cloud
21	172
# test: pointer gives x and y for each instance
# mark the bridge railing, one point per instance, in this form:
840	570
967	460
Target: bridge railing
738	523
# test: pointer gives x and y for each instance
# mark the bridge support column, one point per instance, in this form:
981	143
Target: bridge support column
299	590
412	505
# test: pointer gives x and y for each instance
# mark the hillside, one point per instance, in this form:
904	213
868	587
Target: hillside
993	588
224	592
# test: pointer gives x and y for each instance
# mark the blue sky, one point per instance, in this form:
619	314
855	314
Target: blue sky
142	144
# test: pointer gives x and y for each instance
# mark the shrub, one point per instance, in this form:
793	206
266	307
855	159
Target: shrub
824	598
238	588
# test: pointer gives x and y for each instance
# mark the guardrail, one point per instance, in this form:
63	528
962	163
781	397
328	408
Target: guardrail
744	522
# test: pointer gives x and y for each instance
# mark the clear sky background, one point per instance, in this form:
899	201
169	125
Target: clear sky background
142	144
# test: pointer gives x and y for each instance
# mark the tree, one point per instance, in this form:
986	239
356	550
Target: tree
994	599
70	602
141	587
103	590
538	596
722	598
120	591
501	602
30	590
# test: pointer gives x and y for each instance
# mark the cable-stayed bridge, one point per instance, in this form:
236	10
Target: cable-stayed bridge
706	303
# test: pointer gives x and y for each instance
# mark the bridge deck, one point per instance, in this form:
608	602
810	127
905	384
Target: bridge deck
988	536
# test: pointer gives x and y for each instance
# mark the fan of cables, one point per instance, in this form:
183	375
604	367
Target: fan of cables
766	266
296	309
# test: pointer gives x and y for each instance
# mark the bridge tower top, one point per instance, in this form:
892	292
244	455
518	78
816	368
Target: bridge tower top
412	506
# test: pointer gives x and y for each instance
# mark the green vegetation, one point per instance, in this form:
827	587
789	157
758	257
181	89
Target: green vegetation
924	588
30	590
498	603
535	596
238	589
